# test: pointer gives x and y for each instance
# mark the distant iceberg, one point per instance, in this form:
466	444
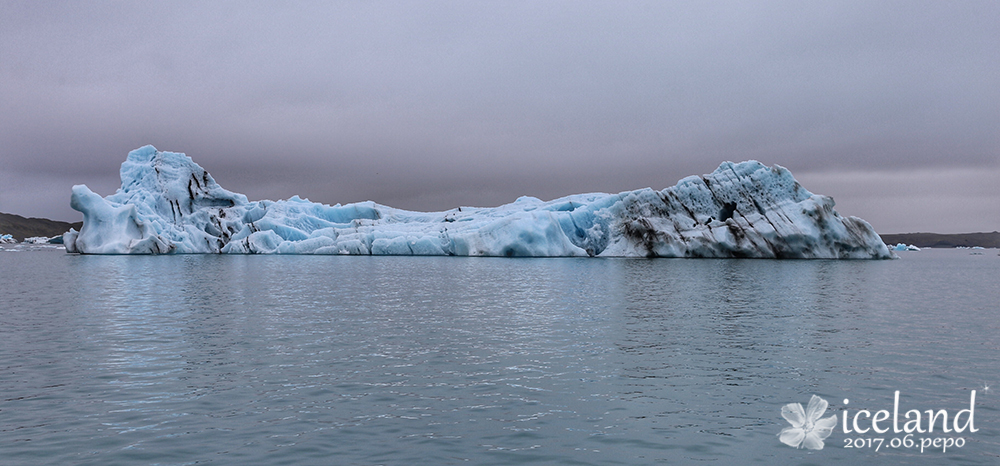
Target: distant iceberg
168	204
905	247
43	240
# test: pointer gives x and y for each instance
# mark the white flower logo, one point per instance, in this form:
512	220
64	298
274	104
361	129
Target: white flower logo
807	430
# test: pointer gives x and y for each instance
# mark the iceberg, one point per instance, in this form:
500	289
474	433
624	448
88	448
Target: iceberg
43	240
168	204
7	239
904	247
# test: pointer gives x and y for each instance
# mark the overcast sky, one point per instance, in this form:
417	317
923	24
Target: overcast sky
891	108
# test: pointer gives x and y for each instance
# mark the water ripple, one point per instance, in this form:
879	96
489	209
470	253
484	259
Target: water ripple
382	360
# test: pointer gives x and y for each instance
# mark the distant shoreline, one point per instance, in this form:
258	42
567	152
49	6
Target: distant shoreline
939	240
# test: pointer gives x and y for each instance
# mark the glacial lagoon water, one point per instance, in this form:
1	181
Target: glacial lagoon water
273	360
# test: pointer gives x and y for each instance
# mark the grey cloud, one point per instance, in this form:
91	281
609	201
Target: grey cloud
431	105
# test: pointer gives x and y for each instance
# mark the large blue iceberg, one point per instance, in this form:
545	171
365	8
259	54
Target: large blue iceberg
168	205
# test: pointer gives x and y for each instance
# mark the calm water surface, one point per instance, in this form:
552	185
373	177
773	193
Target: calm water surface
276	360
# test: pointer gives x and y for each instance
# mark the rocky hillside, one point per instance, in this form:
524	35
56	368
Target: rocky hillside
21	227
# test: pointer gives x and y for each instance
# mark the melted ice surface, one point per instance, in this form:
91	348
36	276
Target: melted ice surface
170	204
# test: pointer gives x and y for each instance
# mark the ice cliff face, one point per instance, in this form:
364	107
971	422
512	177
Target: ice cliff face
169	204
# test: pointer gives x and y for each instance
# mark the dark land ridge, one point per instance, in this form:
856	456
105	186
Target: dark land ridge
20	227
937	240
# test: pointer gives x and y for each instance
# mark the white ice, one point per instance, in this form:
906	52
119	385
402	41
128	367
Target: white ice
169	204
40	240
